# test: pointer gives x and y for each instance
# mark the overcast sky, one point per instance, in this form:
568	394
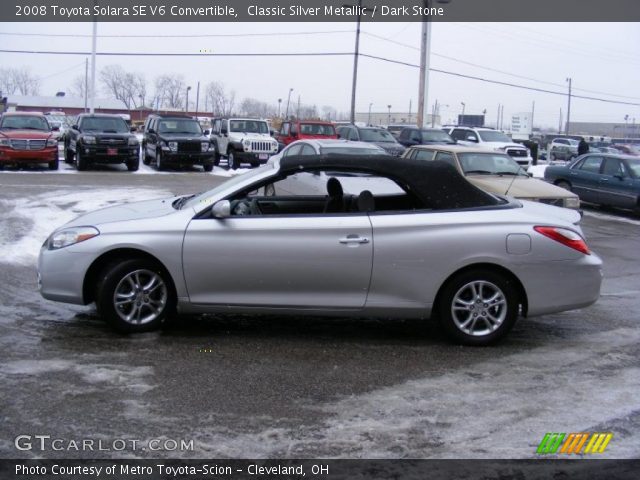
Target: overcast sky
600	57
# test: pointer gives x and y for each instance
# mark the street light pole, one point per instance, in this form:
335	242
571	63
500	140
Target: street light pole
355	65
389	116
369	117
279	105
568	108
92	97
286	114
197	97
186	102
463	107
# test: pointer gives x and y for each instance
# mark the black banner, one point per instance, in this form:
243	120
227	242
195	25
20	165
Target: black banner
319	10
320	469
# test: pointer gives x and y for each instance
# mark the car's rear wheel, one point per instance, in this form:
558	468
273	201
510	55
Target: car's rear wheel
81	162
68	156
563	184
133	165
134	296
478	307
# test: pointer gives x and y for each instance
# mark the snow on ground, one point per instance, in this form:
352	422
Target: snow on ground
537	170
611	218
478	412
27	222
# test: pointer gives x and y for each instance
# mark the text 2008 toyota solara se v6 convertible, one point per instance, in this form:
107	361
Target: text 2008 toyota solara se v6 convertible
412	239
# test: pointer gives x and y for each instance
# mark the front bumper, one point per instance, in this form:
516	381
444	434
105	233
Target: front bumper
254	157
188	158
16	157
108	154
61	274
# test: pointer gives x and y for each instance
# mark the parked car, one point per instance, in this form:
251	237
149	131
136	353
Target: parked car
395	129
410	136
492	139
439	246
612	180
27	138
375	135
563	152
60	120
101	138
495	172
325	147
177	140
290	131
628	149
243	140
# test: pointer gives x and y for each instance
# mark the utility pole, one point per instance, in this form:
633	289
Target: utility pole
86	84
298	111
355	66
197	97
389	116
369	117
410	100
286	114
568	108
502	118
560	122
93	65
498	119
435	112
533	109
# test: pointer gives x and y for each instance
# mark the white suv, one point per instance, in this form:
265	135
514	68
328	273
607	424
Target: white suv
243	140
491	139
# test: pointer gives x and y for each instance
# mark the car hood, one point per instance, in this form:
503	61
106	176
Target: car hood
520	187
125	212
32	134
502	145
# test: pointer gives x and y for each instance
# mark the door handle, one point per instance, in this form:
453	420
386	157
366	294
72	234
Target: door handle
353	239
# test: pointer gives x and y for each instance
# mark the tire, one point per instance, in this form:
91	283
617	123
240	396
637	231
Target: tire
563	184
54	165
133	165
552	157
146	159
478	307
68	156
208	167
232	160
159	161
81	162
135	295
216	158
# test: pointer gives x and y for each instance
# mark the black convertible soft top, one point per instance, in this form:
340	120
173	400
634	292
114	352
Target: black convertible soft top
437	184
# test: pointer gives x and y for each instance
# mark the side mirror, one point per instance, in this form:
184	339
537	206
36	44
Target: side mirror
206	132
224	131
221	209
75	127
619	176
55	128
471	138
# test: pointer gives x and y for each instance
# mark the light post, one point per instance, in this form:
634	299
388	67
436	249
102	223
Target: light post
568	108
186	102
279	105
425	53
286	113
369	117
356	54
141	105
626	126
389	116
463	107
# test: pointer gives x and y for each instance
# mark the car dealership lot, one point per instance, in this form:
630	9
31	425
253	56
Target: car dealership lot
257	386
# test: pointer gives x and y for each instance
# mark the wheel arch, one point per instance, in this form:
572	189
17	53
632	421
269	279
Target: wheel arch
115	256
492	267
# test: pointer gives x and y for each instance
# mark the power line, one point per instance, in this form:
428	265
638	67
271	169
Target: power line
205	35
62	71
318	54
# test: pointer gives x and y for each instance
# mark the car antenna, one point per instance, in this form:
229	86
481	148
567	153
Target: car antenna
514	178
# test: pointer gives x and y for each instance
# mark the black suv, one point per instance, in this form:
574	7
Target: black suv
411	136
101	138
177	140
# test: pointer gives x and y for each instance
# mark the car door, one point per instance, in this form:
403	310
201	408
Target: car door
585	178
151	136
293	261
616	187
223	138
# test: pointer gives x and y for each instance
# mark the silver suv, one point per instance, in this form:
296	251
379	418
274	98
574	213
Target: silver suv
491	139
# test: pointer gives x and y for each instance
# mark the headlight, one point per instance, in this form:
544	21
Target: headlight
173	146
88	139
247	143
52	142
274	146
71	236
572	202
133	141
204	146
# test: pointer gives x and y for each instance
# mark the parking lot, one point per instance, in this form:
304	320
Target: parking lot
294	387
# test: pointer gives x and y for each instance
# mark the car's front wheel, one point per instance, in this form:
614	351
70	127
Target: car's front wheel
53	165
159	161
81	162
478	307
134	296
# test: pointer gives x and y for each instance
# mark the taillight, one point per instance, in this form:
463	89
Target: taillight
566	237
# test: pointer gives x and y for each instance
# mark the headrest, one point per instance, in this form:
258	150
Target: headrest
366	202
334	188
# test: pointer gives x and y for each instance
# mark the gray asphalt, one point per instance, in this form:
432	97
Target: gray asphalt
258	386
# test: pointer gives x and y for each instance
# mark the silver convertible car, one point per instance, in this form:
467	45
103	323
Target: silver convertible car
433	245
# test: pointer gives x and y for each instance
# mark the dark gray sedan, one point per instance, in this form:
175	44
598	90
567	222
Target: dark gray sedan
612	180
434	244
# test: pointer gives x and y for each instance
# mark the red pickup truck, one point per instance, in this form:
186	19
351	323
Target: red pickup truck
291	131
26	138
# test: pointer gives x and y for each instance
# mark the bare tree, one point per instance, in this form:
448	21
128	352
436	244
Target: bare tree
129	88
252	107
221	102
79	87
170	91
19	81
329	113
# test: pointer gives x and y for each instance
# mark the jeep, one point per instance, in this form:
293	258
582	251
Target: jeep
243	140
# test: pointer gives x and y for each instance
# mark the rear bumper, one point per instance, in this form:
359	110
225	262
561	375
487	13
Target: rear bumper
11	156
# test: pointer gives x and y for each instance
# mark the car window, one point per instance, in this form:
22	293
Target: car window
436	136
353	151
307	150
293	150
284	129
376	135
179	126
404	134
28	122
493	136
459	134
613	166
423	154
634	167
489	164
591	164
415	136
446	157
352	134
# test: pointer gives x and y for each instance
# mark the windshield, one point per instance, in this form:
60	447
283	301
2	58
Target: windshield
376	135
180	126
24	122
204	197
317	129
57	118
491	136
489	164
353	151
436	136
103	124
248	126
634	166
